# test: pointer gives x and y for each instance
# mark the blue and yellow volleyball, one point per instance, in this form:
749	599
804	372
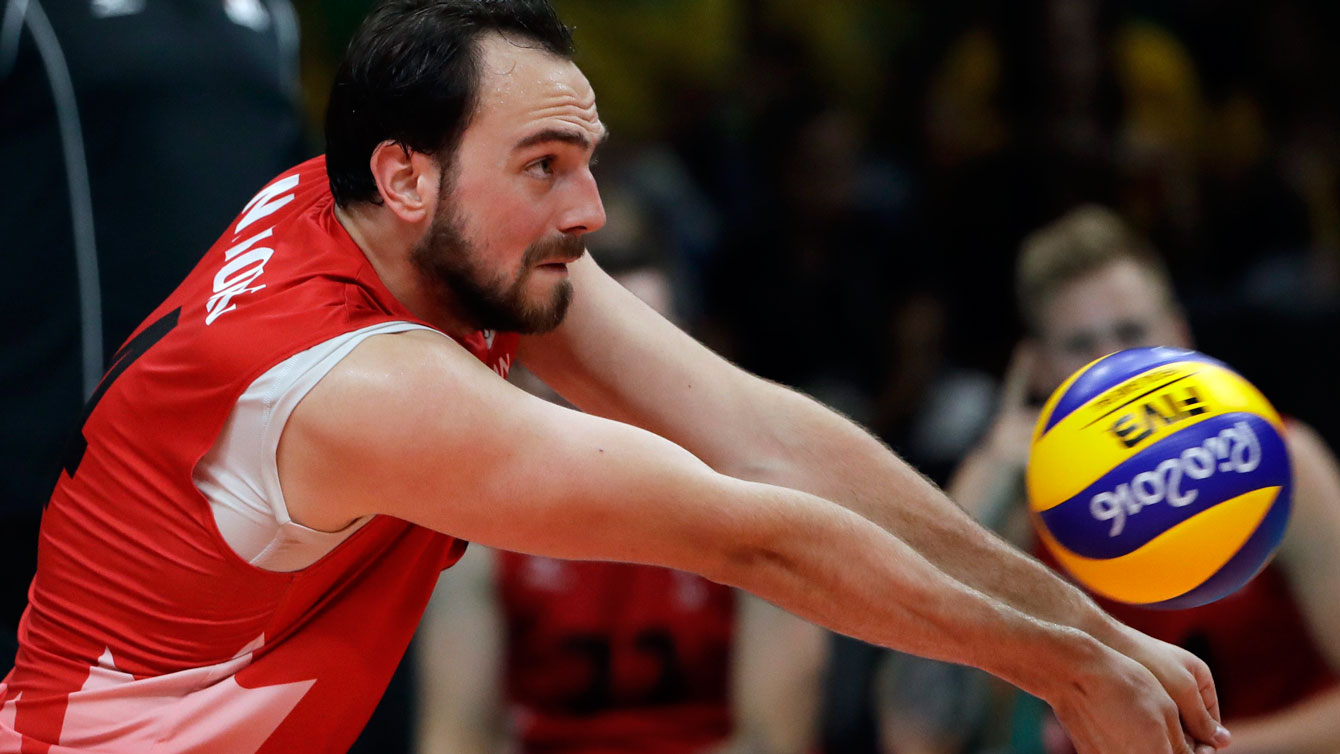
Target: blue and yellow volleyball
1159	477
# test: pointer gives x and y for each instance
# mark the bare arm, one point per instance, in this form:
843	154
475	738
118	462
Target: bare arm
502	468
1310	557
460	662
494	465
615	357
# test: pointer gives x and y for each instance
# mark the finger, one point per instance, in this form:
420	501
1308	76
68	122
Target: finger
1181	742
1014	391
1195	706
1196	746
1209	695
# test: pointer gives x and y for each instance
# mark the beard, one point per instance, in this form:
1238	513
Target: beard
452	265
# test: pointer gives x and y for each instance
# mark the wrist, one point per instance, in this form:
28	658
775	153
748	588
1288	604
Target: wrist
1111	632
1085	615
1057	660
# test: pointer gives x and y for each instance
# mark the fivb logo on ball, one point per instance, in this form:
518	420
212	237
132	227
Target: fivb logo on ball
1159	477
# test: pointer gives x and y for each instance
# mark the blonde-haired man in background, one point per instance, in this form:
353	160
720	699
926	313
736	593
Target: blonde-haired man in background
1088	285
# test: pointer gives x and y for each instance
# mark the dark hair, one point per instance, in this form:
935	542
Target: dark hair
411	76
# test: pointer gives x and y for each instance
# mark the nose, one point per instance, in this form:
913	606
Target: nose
585	212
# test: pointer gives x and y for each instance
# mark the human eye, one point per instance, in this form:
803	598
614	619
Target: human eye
1078	344
541	168
1132	333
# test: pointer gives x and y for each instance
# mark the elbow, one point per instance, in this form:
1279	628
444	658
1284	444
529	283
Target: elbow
759	465
751	557
749	567
770	440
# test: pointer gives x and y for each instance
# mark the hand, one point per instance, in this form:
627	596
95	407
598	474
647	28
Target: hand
1122	708
1012	430
1184	677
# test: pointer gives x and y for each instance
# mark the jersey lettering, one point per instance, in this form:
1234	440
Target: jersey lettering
243	264
601	654
265	203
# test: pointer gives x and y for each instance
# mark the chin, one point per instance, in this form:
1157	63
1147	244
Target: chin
546	311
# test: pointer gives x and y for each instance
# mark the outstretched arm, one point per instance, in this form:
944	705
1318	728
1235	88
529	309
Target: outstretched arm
1310	557
615	357
494	465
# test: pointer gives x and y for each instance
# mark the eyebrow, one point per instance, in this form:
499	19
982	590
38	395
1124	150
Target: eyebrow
563	135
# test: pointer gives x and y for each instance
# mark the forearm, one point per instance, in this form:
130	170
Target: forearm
1309	727
558	483
856	578
1038	632
808	447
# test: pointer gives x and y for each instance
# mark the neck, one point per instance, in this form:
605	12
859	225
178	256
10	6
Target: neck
387	243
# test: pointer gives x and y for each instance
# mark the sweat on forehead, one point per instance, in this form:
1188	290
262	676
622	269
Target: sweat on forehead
520	79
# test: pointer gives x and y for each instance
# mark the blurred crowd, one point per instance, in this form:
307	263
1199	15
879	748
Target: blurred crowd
838	193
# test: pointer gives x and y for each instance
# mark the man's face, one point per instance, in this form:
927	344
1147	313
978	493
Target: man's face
1112	308
519	196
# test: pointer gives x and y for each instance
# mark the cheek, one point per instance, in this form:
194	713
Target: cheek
497	248
1068	368
1057	368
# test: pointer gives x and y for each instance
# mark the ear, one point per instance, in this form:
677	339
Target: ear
407	180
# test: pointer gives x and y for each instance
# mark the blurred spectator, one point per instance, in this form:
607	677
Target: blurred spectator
520	653
930	410
540	655
1088	286
131	131
821	242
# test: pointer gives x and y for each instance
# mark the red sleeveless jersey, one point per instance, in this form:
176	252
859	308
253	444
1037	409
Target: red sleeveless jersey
145	632
614	658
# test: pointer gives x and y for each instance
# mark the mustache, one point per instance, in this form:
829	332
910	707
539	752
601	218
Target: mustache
565	246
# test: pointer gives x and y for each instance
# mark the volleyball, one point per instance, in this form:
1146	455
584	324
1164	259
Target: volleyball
1159	477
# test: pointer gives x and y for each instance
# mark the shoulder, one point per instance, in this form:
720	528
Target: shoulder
1314	464
1305	443
1315	524
393	388
398	412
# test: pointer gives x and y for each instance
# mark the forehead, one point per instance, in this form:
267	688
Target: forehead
1122	289
523	87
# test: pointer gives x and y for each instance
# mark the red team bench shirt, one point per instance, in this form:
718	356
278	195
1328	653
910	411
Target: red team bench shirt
145	631
615	658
